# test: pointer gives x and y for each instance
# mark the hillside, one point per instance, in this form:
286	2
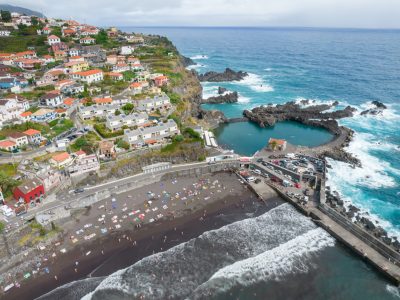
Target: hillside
21	10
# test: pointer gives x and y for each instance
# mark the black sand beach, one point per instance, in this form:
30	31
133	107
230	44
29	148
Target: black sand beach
121	249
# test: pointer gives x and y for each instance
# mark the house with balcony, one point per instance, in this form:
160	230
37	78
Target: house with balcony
148	104
149	136
136	119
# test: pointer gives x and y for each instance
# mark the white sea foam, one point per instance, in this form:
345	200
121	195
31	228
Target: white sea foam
292	257
394	290
196	67
243	99
256	83
374	174
198	57
178	271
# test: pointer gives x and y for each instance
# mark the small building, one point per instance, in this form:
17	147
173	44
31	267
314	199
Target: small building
89	76
115	76
161	80
107	150
276	144
53	39
43	115
34	136
30	191
87	41
126	50
26	116
8	145
52	99
19	138
61	160
84	164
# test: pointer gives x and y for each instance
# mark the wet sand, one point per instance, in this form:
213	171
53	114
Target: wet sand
121	249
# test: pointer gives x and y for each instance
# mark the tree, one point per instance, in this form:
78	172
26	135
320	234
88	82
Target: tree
127	108
122	144
117	112
6	16
2	226
101	37
7	183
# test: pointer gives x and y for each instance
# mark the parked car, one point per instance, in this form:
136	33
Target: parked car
79	190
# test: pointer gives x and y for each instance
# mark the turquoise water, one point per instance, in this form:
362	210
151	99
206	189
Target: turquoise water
286	64
247	138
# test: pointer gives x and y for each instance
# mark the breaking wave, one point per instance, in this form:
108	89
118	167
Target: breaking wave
279	241
256	83
198	57
292	257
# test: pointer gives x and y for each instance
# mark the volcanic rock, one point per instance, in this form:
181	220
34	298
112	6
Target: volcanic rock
227	75
227	98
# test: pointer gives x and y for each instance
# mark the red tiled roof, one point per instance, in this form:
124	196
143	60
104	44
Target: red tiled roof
61	157
69	101
26	114
102	100
88	73
6	144
31	132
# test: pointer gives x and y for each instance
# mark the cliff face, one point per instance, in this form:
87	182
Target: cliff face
191	93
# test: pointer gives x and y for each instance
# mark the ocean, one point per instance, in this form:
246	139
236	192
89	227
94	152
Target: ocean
281	254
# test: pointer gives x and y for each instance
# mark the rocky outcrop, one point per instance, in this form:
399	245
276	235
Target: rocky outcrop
187	61
221	90
227	75
316	114
212	117
226	98
376	110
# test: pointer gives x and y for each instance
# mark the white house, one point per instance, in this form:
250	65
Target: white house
126	50
89	76
87	41
12	109
89	112
53	39
117	122
5	32
52	99
152	104
84	164
151	135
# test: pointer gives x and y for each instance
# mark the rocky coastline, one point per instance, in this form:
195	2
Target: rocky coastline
226	97
377	109
362	219
227	75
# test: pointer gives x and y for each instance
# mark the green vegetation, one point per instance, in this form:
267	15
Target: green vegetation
5	16
61	126
192	134
127	108
103	40
105	133
129	75
13	44
9	169
7	184
44	129
87	143
2	226
122	144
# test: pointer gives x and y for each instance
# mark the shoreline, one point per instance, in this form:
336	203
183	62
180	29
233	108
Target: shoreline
120	244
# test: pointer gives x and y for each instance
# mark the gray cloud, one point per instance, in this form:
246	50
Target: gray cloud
318	13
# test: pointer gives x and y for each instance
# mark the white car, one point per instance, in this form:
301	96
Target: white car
155	209
88	225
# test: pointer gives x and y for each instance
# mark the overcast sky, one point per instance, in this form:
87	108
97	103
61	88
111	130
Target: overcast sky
314	13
